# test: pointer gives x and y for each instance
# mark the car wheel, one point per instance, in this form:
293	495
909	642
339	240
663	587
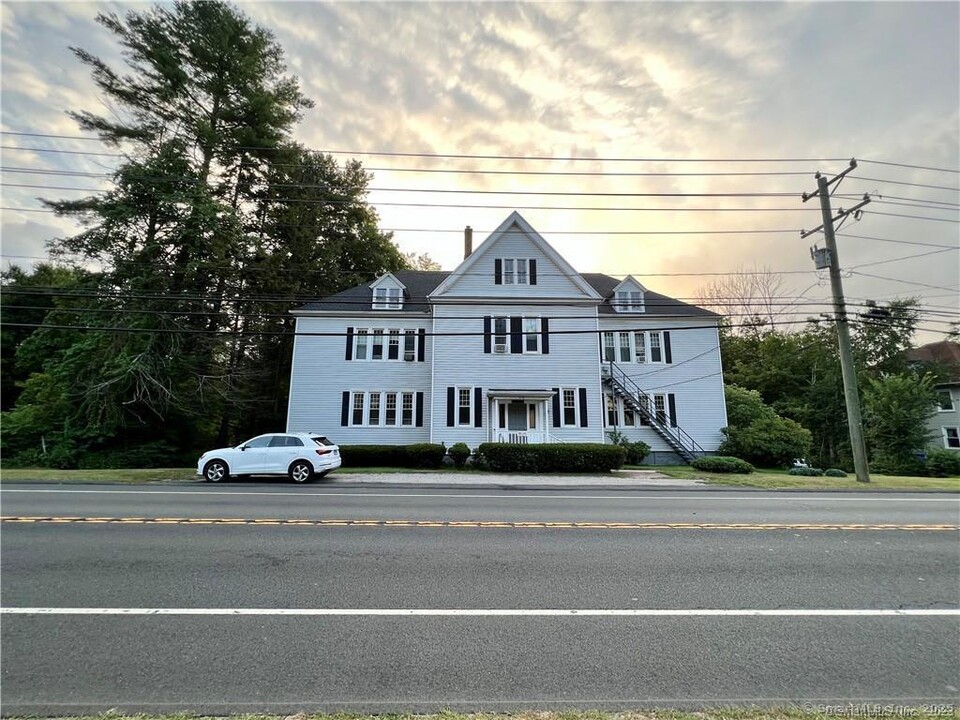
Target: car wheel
215	471
301	471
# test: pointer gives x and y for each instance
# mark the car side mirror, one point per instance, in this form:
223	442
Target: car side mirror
243	447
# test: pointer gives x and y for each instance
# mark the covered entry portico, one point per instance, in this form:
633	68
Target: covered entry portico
519	416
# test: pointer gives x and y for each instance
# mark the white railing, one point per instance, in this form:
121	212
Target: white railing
521	437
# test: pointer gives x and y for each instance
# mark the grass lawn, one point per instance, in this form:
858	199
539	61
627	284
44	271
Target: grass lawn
779	479
128	476
807	712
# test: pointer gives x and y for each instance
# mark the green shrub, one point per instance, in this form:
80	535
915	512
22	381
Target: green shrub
425	455
834	472
942	463
636	452
767	442
459	454
560	457
420	455
887	463
809	471
722	464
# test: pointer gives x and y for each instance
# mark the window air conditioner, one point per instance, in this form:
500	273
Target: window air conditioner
499	348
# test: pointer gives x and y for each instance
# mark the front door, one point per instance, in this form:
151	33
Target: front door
517	416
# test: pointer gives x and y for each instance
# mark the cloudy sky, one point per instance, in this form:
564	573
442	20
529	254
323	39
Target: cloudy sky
626	95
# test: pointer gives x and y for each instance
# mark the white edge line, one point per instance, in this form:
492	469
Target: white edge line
491	612
692	496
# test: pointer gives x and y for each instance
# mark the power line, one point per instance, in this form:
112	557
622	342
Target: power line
912	167
905	282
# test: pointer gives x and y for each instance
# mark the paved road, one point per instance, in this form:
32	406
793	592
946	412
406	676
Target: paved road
63	663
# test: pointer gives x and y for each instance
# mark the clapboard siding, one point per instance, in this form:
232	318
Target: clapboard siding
478	281
461	361
321	373
694	377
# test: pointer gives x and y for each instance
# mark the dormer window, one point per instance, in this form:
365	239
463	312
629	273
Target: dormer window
387	298
628	301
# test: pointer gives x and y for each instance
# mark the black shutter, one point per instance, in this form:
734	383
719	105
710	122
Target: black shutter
516	336
421	343
545	336
672	404
451	392
419	409
667	352
498	272
477	407
345	409
600	341
349	353
556	407
533	271
486	334
583	407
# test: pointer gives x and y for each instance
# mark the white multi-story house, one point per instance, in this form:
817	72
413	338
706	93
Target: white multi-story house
514	345
944	421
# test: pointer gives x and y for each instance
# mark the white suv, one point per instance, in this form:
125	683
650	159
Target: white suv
299	456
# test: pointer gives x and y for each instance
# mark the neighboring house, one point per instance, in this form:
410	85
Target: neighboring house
512	346
944	424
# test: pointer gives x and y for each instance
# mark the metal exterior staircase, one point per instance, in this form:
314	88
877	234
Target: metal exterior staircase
631	394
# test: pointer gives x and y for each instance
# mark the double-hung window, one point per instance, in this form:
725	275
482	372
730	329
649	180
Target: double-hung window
409	345
629	301
358	403
407	409
944	401
387	298
500	334
374	408
609	347
660	405
390	409
640	347
624	347
611	402
464	405
377	349
393	345
531	335
516	271
360	345
656	347
569	406
951	437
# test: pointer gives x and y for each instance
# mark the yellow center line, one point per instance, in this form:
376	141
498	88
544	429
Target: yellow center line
477	524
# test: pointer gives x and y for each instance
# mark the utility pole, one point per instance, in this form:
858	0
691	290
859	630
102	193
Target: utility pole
831	259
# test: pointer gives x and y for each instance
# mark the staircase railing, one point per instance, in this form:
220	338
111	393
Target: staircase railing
643	403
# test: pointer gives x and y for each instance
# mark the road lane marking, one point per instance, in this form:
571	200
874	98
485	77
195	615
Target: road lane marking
494	612
480	524
713	497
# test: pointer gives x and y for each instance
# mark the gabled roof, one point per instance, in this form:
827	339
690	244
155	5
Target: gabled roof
421	283
418	284
383	278
655	303
542	245
630	279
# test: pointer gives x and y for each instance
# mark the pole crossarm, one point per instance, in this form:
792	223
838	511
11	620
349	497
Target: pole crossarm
842	215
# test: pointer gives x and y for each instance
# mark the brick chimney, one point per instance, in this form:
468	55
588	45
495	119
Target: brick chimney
467	242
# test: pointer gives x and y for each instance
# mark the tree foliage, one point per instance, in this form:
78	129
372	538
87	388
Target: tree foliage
895	410
215	226
756	433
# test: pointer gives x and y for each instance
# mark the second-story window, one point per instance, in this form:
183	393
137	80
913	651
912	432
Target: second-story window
500	334
531	335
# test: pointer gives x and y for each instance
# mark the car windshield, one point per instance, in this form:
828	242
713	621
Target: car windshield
323	441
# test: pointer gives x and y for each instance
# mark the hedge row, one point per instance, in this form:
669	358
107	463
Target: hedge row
722	464
559	457
419	455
